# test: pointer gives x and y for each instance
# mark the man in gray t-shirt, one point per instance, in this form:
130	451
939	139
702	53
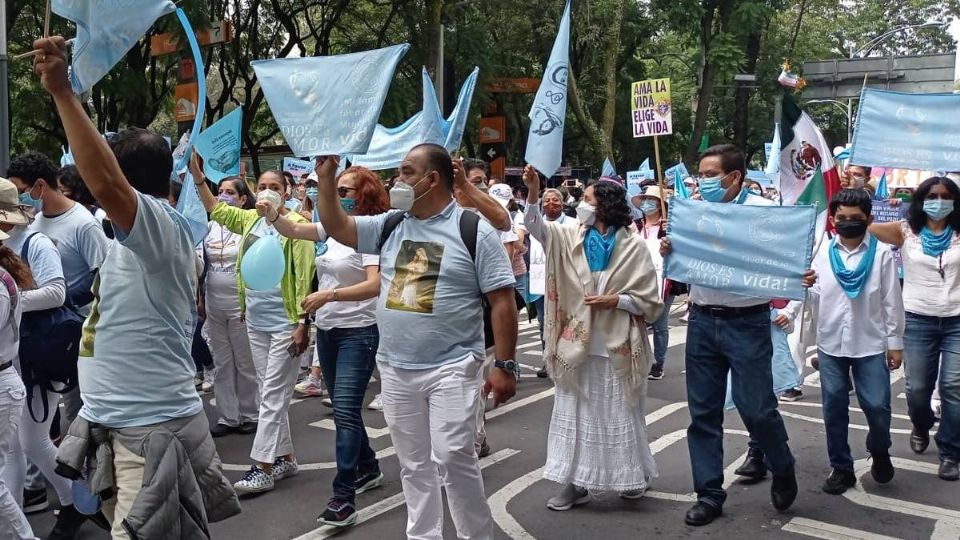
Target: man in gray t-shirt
431	334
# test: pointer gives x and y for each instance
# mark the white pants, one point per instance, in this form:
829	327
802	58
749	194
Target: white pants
34	439
13	465
128	470
482	401
431	414
235	383
277	371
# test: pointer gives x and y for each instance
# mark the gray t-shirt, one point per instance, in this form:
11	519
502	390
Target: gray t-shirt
429	310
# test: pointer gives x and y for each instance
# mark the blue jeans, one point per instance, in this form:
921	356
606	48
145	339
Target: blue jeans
661	333
716	346
871	379
931	347
347	358
521	286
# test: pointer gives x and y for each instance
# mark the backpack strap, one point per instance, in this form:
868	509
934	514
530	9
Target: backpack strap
390	225
25	250
469	225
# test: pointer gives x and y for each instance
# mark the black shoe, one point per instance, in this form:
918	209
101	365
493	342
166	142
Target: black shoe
100	520
815	363
68	524
919	440
783	491
882	468
702	514
35	500
839	481
791	395
542	373
247	428
339	513
656	373
221	430
948	470
753	467
367	481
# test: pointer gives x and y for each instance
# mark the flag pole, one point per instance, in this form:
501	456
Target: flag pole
663	191
46	21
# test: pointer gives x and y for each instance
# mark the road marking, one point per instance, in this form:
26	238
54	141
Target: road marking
528	346
323	465
851	425
820	406
504	409
394	501
819	529
869	500
372	433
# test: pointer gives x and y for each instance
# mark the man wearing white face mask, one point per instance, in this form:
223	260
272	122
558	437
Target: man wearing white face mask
855	177
731	333
436	260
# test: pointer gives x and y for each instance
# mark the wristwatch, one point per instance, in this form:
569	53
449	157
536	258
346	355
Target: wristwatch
510	366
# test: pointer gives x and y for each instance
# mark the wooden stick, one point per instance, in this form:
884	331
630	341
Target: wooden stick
35	52
663	190
46	21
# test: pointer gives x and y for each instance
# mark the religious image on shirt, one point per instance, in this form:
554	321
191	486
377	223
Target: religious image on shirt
414	283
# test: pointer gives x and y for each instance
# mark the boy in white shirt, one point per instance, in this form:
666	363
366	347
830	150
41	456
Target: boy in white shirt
859	331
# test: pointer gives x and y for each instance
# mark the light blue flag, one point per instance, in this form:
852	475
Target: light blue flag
759	251
907	131
759	177
328	105
679	188
181	163
645	166
67	157
608	169
549	111
219	146
773	154
105	32
883	193
680	169
192	209
389	145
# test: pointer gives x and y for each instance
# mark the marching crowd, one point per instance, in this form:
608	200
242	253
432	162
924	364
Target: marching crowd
420	279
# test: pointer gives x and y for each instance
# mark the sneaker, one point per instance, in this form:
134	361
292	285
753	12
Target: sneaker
309	387
881	468
569	497
222	430
484	450
68	524
303	374
949	470
254	481
247	428
632	494
542	373
207	384
376	404
327	402
656	373
198	381
339	513
35	501
283	468
839	481
793	394
368	481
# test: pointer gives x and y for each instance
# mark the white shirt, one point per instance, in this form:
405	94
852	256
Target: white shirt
705	296
341	266
870	324
924	291
222	248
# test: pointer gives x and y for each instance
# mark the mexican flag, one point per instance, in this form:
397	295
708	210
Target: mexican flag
808	174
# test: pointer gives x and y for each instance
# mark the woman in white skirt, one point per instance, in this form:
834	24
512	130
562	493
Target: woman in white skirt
601	291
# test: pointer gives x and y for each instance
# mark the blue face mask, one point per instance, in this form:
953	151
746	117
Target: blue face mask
937	209
648	206
312	194
711	189
27	200
348	204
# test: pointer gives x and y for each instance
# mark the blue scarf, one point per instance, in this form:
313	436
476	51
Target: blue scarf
852	281
935	244
598	248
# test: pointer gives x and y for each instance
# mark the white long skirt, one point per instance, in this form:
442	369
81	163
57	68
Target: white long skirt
598	440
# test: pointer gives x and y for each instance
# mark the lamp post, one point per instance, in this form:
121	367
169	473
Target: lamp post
844	106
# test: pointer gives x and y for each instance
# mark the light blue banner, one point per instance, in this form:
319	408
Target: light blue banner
907	131
771	151
328	105
190	206
883	192
219	146
389	145
608	169
678	170
549	111
679	188
106	30
760	251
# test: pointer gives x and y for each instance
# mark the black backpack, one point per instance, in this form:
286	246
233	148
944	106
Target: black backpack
469	223
49	347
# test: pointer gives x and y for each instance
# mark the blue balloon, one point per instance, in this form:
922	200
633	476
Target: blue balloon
262	266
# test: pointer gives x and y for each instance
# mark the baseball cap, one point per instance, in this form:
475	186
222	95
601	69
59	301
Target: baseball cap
503	193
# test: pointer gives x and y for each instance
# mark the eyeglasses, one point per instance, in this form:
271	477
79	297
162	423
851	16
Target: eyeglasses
344	191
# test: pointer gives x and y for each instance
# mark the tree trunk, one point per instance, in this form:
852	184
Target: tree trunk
611	52
741	112
432	35
594	135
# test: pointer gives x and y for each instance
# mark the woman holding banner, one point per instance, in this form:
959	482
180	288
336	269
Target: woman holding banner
929	241
601	289
277	326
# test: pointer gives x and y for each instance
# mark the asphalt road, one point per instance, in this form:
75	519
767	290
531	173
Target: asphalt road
916	505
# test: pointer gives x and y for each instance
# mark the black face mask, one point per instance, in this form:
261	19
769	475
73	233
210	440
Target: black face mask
851	228
576	192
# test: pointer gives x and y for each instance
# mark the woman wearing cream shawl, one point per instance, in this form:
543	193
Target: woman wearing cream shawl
601	291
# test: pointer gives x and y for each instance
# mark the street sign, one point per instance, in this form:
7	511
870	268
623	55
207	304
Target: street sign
169	43
843	78
512	86
493	143
185	100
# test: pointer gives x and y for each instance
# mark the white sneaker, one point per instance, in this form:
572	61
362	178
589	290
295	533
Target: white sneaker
284	469
208	375
254	481
309	387
376	404
327	402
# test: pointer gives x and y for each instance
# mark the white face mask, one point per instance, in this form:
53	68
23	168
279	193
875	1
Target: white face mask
271	197
586	213
403	196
